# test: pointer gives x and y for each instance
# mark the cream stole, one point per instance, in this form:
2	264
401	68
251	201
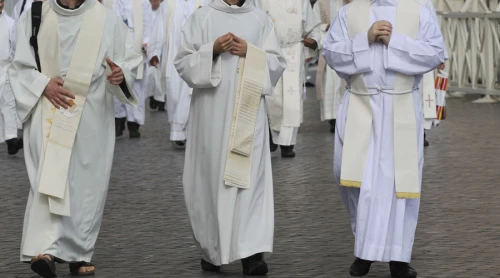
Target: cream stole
285	103
171	6
60	126
358	130
251	77
429	96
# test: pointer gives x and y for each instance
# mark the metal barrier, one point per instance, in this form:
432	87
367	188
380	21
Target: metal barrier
472	36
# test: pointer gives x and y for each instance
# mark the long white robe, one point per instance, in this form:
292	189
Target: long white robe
70	238
8	115
16	13
123	9
384	226
228	223
177	93
153	74
332	84
286	135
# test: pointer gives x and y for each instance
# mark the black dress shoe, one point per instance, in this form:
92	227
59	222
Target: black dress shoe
287	151
206	266
133	129
254	265
332	125
161	106
402	270
360	267
153	103
14	145
119	126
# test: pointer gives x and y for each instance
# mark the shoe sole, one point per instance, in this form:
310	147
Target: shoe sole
260	269
42	268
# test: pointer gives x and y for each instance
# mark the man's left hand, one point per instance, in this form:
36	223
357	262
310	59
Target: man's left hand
116	77
441	67
310	43
240	46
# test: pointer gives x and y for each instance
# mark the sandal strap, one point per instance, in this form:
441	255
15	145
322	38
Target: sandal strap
75	267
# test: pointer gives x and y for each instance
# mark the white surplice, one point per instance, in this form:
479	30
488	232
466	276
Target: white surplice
8	115
177	93
16	13
228	223
384	226
281	133
331	89
70	238
123	9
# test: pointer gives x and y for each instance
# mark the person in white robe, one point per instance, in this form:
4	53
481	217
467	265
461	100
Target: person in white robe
68	120
21	7
230	220
130	11
8	115
329	87
165	44
154	78
428	89
378	157
297	27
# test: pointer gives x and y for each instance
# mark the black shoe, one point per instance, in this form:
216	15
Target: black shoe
206	266
426	143
14	145
180	144
254	265
287	151
332	125
161	106
133	129
119	126
360	267
153	103
402	270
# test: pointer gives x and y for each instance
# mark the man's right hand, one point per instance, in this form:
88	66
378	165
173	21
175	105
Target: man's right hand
57	95
379	28
154	61
223	44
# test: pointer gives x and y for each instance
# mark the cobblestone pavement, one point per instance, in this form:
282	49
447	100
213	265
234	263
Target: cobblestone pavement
145	232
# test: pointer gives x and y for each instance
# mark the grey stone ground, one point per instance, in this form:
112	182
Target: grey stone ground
145	232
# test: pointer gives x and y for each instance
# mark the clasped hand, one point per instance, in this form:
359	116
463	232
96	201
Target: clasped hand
231	43
381	31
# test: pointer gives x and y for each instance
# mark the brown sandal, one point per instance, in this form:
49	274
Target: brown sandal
44	265
74	269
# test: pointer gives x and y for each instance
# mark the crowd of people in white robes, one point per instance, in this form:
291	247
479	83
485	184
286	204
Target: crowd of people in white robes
231	76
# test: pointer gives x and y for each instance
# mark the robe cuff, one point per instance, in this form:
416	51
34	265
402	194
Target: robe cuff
211	65
29	100
123	91
363	56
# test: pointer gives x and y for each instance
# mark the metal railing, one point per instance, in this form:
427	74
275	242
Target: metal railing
473	42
